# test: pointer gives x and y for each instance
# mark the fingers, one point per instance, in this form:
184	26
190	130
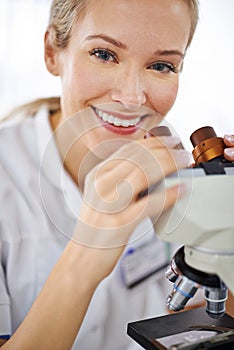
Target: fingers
229	140
229	151
120	179
112	208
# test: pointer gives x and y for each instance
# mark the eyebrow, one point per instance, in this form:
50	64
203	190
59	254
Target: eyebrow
120	45
170	53
107	39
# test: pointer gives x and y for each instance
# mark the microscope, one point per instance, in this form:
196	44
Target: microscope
206	228
203	224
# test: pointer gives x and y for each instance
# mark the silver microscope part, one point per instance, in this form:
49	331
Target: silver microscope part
184	289
172	272
215	300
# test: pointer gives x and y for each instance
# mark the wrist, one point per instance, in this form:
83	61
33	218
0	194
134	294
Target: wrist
81	265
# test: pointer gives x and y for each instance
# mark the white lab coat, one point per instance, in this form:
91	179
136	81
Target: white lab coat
39	203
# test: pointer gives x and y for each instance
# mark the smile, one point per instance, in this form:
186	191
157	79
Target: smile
110	119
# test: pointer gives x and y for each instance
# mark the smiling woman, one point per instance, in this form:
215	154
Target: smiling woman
194	106
102	53
75	234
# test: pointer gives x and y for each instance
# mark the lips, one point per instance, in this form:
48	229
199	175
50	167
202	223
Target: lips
122	124
111	119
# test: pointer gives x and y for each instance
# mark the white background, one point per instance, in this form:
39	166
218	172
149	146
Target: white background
206	87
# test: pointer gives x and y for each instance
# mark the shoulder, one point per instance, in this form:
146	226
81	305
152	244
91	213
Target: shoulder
15	132
19	137
19	168
19	155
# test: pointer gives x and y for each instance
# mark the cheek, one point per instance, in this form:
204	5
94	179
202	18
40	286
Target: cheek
163	96
82	85
79	87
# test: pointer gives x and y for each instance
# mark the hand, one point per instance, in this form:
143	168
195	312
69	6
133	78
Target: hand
111	206
229	151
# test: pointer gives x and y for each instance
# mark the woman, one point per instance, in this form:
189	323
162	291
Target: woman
72	181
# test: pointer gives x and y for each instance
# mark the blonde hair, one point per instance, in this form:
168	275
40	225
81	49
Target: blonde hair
194	13
31	108
63	15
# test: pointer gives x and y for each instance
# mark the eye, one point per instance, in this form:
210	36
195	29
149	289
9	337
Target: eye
163	67
104	55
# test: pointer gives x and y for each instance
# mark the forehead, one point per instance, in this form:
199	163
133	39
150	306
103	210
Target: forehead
164	21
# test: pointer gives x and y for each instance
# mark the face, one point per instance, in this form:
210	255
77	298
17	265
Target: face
120	70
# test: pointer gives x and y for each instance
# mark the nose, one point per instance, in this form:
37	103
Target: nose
129	90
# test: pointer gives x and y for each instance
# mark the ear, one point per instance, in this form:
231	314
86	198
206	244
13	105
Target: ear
51	53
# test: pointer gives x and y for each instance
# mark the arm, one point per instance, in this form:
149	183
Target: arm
55	318
105	224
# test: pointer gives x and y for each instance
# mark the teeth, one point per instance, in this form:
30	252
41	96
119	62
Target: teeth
116	121
104	116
